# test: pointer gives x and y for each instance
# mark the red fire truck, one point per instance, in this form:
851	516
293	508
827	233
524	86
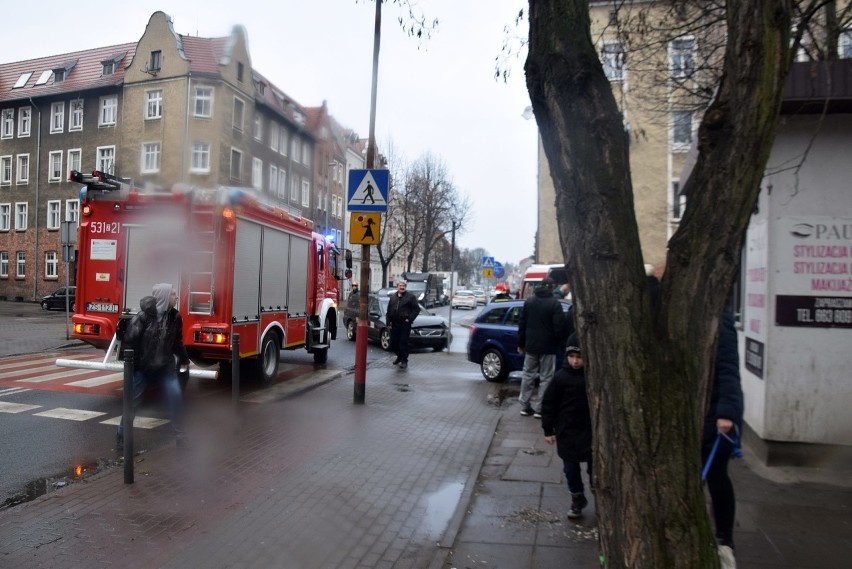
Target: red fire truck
240	266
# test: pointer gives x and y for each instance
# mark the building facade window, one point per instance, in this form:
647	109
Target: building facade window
294	189
20	264
273	179
306	153
204	102
75	121
105	161
306	192
156	60
257	130
681	130
150	157
200	157
107	67
5	170
236	165
25	121
23	169
612	57
57	117
240	71
72	211
154	104
4	264
7	123
273	135
678	201
682	57
55	164
844	48
109	111
51	265
295	148
257	173
5	216
75	157
21	216
239	110
282	141
282	184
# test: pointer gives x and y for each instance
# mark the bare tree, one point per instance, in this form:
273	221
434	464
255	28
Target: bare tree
649	363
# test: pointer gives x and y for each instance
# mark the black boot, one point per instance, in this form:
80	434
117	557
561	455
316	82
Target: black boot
578	502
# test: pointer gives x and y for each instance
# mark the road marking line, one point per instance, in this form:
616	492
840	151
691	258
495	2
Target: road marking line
139	422
7	407
95	382
13	390
70	414
59	375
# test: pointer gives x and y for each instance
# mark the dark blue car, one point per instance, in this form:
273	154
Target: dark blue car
493	342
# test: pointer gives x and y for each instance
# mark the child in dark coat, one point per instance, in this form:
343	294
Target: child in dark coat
566	421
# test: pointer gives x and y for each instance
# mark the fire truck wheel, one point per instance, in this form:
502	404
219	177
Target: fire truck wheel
384	339
350	330
267	361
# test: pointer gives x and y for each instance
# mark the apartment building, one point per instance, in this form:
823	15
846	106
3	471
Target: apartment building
169	108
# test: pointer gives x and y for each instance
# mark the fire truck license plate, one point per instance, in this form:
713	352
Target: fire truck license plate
100	307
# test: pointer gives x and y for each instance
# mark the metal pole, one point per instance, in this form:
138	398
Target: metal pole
127	416
361	329
452	273
235	372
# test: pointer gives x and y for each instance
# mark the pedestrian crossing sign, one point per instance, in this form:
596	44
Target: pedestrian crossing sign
364	228
368	190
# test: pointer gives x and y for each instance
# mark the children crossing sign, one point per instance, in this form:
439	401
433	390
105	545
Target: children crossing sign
368	190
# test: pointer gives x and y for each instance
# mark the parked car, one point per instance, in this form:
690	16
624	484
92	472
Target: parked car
463	299
493	341
427	331
481	297
56	299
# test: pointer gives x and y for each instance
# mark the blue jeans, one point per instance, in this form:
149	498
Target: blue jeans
541	365
167	379
574	476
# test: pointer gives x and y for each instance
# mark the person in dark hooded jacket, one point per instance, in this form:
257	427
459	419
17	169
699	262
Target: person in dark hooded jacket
155	334
566	420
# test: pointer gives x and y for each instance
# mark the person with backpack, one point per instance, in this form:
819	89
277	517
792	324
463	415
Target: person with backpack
155	334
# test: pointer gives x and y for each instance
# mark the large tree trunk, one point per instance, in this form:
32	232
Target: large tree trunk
648	363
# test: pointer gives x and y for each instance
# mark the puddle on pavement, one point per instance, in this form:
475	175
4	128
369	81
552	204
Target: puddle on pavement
41	486
440	507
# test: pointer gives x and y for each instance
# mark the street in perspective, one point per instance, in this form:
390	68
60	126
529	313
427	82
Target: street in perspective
438	469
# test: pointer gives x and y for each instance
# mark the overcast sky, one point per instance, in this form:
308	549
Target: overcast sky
437	95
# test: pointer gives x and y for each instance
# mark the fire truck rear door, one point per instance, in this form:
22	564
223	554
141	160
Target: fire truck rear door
149	259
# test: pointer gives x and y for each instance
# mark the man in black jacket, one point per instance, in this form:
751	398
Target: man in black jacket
541	334
403	308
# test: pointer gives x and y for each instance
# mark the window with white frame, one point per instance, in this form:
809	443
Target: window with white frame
109	111
54	161
4	264
21	216
257	173
282	141
678	201
339	240
306	153
612	57
154	104
273	179
333	206
682	57
20	264
282	184
239	110
75	158
236	164
257	130
150	157
295	147
53	212
273	135
5	170
844	47
72	211
294	188
204	102
200	157
105	161
681	129
51	265
57	117
5	216
23	169
7	123
306	192
75	119
25	121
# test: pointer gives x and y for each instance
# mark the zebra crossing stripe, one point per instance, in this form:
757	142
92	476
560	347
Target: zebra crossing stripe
8	407
70	414
13	390
96	381
139	422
